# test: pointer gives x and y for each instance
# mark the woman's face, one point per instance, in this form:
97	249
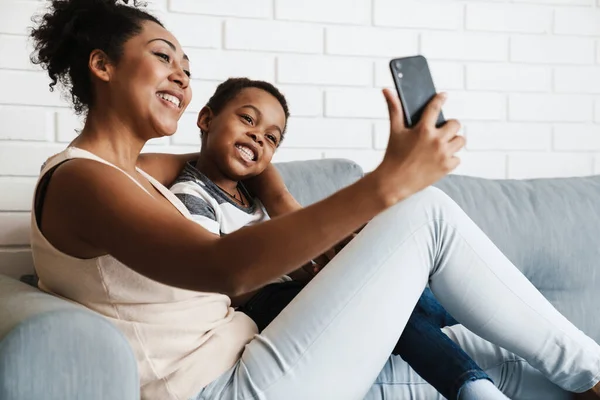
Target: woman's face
243	137
151	81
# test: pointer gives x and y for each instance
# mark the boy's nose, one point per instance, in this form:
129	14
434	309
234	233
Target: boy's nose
256	138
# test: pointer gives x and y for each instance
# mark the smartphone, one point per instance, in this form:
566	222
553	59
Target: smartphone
415	87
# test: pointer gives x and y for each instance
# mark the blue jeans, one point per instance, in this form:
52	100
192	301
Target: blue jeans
432	354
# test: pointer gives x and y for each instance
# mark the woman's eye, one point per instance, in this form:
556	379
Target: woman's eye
163	56
185	71
248	118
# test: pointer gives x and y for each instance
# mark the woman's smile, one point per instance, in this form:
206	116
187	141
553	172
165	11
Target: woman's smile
170	100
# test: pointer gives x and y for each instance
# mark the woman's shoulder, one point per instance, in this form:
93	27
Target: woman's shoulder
164	167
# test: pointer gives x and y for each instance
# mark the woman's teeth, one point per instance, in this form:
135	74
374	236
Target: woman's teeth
170	98
247	153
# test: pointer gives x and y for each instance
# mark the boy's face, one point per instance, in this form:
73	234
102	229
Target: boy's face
243	137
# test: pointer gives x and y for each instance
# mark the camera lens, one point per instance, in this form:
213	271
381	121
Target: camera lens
398	64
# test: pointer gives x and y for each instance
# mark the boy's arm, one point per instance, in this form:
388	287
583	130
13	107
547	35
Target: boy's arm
272	192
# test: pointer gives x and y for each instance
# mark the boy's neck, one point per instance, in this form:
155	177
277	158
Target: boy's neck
212	172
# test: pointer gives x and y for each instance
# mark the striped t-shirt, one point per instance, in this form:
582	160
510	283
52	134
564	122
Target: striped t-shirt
211	207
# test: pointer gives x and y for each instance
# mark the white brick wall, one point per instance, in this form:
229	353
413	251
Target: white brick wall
508	18
555	107
418	14
335	11
232	8
471	46
551	50
523	77
277	36
508	78
317	70
578	21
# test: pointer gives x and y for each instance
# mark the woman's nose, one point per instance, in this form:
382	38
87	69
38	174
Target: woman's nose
183	81
180	77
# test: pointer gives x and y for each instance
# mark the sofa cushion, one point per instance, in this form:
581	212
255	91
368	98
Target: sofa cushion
549	228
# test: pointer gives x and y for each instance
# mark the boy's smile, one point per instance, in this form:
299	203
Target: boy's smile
239	142
247	152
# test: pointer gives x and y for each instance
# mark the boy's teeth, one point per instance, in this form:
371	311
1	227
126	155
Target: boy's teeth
247	152
169	98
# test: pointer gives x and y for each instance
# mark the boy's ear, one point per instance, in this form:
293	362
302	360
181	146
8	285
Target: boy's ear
204	119
100	65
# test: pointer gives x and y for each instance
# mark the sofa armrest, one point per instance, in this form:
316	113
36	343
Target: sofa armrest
51	349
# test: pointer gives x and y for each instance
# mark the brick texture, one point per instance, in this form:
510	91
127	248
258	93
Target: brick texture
523	77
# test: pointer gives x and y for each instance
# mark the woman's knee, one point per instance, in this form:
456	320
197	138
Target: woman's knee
429	204
434	197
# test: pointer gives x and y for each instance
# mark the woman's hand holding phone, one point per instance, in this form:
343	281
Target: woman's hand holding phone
417	157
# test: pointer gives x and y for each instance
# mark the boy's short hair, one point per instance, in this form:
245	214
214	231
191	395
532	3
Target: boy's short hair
227	91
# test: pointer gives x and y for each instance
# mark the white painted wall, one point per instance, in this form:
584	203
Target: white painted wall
523	76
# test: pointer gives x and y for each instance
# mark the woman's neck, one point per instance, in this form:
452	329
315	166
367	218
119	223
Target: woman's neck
212	172
111	139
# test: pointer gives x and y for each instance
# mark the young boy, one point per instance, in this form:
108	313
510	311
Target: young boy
242	125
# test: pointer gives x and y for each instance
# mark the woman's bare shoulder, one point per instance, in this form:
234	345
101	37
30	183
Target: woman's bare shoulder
96	209
164	167
78	193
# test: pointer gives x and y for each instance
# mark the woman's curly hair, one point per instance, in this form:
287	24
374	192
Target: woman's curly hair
70	30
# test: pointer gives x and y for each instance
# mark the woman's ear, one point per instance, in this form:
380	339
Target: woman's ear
100	65
204	119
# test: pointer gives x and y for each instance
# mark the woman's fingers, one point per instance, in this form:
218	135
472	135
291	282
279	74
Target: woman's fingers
417	157
433	109
450	129
456	143
453	162
395	110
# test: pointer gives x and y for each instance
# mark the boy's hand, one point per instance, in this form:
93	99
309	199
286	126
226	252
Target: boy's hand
270	189
320	262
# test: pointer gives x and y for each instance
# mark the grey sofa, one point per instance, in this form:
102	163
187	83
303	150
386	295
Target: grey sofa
550	228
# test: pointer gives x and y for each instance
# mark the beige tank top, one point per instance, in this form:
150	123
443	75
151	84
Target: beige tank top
182	339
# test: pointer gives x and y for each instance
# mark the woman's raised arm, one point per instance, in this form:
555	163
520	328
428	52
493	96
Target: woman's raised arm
107	212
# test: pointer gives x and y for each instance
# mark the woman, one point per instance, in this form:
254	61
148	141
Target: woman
107	233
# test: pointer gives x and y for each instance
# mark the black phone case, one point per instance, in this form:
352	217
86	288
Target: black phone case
415	87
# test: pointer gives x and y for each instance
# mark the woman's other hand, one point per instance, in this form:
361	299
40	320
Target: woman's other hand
417	157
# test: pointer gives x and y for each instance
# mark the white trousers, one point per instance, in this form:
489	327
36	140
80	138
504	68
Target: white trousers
334	340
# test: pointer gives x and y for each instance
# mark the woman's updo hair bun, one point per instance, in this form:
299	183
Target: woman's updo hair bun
66	34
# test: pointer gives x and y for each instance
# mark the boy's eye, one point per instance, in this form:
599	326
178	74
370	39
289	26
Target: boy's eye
272	138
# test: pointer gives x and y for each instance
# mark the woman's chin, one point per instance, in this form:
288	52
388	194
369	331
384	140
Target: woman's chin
163	130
